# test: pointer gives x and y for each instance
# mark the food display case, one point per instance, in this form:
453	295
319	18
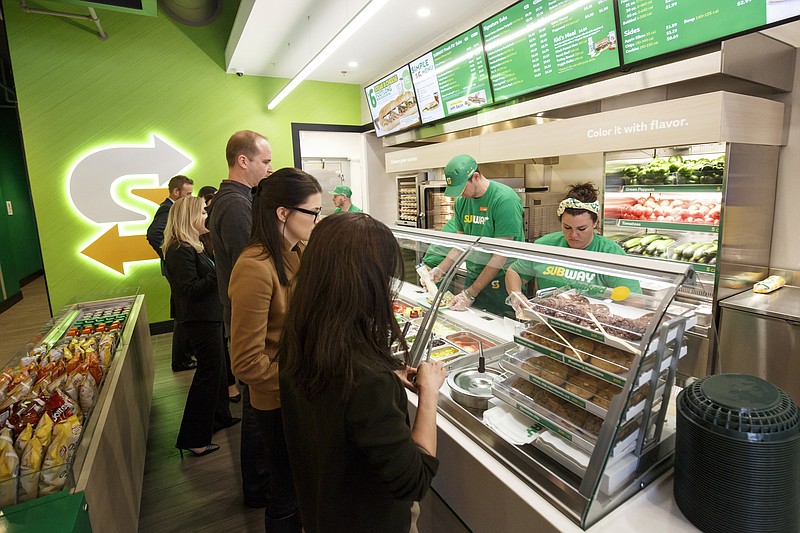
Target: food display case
75	413
709	205
572	399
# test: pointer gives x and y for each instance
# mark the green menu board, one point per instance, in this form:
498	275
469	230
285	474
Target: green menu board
653	27
452	78
540	43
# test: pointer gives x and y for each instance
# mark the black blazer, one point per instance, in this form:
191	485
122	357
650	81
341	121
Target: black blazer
155	231
193	281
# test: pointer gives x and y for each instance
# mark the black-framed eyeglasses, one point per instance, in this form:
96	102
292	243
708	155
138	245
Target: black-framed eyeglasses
308	212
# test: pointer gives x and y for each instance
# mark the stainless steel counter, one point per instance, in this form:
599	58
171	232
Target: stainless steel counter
783	303
760	335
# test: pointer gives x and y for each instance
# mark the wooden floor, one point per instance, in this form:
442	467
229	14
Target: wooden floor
197	494
21	322
194	493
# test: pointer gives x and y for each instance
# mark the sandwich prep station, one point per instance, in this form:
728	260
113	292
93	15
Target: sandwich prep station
587	377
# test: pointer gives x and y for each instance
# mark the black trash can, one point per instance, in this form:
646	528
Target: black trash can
737	456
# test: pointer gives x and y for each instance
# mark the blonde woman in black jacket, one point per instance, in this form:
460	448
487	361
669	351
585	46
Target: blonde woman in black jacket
191	276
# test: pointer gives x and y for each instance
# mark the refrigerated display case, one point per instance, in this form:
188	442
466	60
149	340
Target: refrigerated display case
93	361
709	205
586	376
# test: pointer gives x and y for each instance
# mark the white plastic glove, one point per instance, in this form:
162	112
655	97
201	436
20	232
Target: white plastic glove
436	274
518	303
461	301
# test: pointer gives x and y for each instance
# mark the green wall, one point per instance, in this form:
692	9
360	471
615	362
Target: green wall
152	76
19	252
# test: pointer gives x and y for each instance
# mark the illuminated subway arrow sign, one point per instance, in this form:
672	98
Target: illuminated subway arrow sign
92	178
114	250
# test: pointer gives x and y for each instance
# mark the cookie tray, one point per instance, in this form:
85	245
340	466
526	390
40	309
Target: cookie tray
565	430
513	363
632	346
616	379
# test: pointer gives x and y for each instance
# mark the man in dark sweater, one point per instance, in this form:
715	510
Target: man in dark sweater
249	157
179	186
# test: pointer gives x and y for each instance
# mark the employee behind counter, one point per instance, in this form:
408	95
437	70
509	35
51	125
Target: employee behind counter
578	213
483	208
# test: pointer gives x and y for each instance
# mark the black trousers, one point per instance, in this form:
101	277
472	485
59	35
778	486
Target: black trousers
255	477
207	404
181	349
281	498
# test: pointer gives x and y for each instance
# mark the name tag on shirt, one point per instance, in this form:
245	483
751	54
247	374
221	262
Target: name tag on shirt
483	209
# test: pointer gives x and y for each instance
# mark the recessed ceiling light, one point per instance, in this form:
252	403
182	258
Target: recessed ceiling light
423	12
352	64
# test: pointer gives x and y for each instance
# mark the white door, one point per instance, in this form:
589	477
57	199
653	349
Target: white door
330	172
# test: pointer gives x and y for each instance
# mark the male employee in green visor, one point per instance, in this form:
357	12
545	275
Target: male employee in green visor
341	199
482	208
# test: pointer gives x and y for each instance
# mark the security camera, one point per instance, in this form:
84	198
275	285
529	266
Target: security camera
239	73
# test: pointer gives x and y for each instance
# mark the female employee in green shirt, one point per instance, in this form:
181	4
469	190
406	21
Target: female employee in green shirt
578	213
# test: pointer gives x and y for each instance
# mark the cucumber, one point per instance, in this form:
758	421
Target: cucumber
647	239
711	250
681	247
630	243
688	252
658	244
661	245
698	253
638	249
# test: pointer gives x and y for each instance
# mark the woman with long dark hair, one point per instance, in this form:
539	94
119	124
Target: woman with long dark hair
358	466
191	276
285	210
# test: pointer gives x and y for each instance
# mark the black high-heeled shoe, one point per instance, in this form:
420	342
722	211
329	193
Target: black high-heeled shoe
211	448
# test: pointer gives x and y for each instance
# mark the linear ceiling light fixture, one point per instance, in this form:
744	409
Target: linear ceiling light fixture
345	33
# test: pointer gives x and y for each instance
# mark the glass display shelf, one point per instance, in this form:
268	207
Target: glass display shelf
590	364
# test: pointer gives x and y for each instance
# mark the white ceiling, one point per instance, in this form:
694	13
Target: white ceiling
277	38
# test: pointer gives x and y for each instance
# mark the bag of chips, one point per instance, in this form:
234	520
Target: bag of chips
44	430
30	465
23	439
55	468
9	469
88	393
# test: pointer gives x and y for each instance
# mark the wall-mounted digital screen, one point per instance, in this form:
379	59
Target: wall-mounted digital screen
392	103
649	28
540	43
452	78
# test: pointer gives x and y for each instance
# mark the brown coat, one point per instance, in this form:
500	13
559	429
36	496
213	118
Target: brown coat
258	312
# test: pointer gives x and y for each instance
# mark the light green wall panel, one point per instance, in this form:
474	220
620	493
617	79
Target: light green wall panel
153	76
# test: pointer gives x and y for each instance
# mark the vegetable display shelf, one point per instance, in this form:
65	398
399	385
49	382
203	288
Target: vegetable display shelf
653	224
91	378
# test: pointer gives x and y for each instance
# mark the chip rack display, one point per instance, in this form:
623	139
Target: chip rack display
110	452
630	440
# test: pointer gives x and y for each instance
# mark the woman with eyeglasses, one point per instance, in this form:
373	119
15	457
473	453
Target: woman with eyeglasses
285	210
